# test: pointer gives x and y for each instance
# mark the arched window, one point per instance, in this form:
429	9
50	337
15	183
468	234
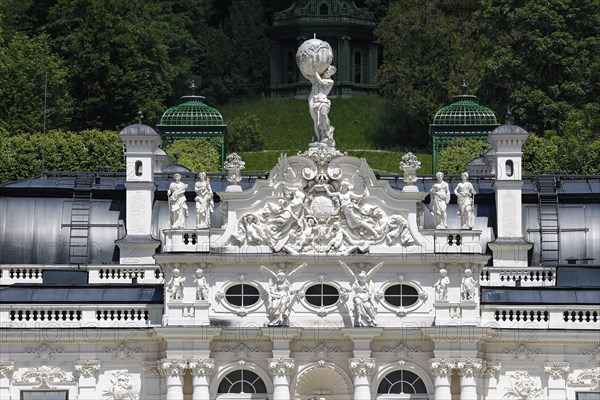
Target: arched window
290	66
138	168
403	382
401	295
357	67
242	295
242	381
324	9
509	168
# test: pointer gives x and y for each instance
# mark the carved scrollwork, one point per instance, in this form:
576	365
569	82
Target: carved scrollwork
469	367
281	366
6	369
556	369
123	387
87	368
523	386
44	376
589	377
202	367
441	367
401	352
362	367
173	367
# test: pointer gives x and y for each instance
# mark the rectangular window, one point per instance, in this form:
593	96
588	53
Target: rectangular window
588	396
44	395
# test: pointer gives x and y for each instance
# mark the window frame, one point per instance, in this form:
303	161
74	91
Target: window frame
25	391
401	311
241	311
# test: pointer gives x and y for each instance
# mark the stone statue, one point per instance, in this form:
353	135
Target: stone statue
177	203
465	195
363	295
204	201
201	285
319	106
280	296
175	285
440	197
441	286
314	58
468	286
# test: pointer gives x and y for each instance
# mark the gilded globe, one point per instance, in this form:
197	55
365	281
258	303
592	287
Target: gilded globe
314	55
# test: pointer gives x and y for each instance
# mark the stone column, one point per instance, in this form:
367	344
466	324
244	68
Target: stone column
361	369
173	369
6	371
281	369
281	365
201	372
557	372
442	369
87	372
468	368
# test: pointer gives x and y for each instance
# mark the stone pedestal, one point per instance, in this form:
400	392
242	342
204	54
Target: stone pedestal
186	240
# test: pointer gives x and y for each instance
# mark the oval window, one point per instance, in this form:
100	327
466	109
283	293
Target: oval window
242	295
401	295
322	295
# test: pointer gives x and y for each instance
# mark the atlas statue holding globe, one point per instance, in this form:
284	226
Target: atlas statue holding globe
314	58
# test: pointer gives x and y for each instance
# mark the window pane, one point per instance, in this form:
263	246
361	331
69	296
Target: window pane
44	395
588	396
409	300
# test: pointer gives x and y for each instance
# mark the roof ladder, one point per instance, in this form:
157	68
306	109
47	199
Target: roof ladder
548	221
80	220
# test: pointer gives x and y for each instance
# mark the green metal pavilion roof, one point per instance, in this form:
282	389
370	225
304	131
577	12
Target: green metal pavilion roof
464	110
191	112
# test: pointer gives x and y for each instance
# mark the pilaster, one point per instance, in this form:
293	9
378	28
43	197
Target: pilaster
362	369
442	371
173	369
201	372
6	371
468	369
281	369
557	373
87	373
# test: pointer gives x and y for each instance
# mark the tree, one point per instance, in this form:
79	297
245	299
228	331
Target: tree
545	60
454	158
197	155
119	58
429	49
541	155
581	141
245	134
25	64
238	54
21	155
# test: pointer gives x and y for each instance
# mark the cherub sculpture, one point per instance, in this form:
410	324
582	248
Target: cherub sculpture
201	285
363	295
441	286
175	285
468	285
280	295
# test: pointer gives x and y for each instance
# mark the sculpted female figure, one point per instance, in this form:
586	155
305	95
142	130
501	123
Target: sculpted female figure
280	295
465	195
319	105
363	299
440	197
349	205
204	201
177	202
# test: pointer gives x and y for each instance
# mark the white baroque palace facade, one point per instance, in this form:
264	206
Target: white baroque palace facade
320	281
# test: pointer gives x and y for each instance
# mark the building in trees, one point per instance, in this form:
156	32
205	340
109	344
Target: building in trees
346	27
191	119
320	280
463	118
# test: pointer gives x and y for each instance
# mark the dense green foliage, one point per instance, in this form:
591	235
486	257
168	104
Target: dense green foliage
89	150
454	158
195	154
103	60
245	133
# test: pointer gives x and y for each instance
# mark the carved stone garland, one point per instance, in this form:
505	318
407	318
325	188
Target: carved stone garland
523	386
44	376
122	387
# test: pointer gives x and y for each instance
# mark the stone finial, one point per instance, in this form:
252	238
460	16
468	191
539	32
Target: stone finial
410	165
233	165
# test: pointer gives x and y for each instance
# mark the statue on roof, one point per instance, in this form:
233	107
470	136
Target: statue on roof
204	201
177	203
314	58
465	195
440	197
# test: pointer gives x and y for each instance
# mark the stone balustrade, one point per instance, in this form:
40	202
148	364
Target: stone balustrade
80	316
525	277
540	317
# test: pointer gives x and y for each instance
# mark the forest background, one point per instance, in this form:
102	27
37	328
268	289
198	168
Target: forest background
100	61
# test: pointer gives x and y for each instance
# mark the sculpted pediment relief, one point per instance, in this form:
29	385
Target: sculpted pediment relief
321	202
